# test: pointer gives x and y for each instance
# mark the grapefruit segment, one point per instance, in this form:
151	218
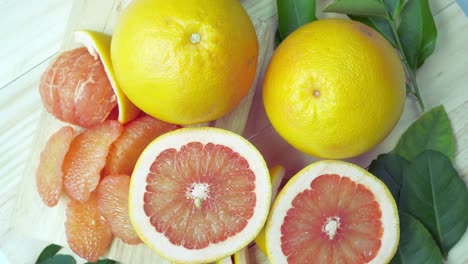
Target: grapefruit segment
136	135
199	194
333	211
86	157
88	233
49	175
112	198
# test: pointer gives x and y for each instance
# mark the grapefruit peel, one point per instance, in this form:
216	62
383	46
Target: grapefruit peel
98	45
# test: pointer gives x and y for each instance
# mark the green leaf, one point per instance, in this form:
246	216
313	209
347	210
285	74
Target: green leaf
394	7
431	131
277	38
60	259
103	261
434	194
417	32
48	252
416	243
294	13
389	169
358	7
380	24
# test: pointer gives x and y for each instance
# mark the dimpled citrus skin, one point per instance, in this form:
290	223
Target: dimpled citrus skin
185	61
334	88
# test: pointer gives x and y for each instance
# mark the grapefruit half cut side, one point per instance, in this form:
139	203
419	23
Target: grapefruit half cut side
333	212
199	194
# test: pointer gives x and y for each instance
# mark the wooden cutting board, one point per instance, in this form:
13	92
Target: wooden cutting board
31	216
442	80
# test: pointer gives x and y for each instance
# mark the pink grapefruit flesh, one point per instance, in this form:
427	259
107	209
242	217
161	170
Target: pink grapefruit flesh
200	195
49	175
112	198
75	89
335	221
86	158
88	233
136	135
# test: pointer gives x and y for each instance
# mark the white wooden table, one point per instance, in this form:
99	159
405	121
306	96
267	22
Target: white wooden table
31	34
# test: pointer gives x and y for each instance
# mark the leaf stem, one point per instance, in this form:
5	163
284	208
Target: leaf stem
405	62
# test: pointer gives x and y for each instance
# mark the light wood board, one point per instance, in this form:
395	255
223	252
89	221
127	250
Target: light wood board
442	80
35	219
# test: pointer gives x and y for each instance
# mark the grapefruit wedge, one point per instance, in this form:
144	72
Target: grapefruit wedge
199	194
333	212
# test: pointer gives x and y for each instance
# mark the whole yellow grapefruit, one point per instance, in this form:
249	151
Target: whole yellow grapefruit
185	61
334	88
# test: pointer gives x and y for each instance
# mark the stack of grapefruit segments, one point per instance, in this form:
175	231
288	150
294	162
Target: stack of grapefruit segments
93	157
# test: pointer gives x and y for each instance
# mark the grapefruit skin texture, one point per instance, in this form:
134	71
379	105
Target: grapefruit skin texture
334	88
310	197
88	233
185	61
75	89
49	175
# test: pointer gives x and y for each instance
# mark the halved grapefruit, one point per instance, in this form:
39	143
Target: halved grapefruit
199	194
333	212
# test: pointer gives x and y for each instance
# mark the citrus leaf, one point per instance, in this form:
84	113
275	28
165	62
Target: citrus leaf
294	13
380	24
431	131
48	252
416	243
417	32
59	259
357	7
389	169
394	7
277	38
434	194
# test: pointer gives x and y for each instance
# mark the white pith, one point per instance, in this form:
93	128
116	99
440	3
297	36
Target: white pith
198	192
301	181
331	227
176	139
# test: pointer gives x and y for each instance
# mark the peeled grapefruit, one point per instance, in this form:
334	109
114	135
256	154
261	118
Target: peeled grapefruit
76	90
199	194
333	212
98	45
